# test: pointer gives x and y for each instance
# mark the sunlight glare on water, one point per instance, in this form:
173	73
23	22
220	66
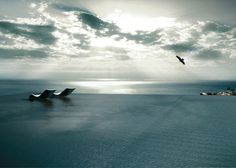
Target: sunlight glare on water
107	86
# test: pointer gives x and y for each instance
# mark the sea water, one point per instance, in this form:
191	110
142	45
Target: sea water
115	87
172	129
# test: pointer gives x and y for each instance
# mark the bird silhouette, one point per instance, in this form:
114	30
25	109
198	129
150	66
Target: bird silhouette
180	59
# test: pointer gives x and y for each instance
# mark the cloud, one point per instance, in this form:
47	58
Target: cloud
102	28
143	37
209	54
93	21
215	27
117	50
106	29
84	41
122	57
21	53
67	8
39	33
77	32
119	53
77	40
5	40
86	17
180	47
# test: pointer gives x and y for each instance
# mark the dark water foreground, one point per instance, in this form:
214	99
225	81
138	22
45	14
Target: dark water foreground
118	131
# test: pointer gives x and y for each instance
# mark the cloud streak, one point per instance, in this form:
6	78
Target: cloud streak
209	54
21	53
180	47
215	27
38	33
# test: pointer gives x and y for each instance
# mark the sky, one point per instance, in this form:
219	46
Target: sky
120	40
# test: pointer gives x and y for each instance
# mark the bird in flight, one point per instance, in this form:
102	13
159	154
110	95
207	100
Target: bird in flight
180	59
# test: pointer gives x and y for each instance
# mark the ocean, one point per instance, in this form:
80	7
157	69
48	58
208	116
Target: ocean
158	125
105	86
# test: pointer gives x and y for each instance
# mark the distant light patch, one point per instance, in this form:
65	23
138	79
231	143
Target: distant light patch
123	91
105	41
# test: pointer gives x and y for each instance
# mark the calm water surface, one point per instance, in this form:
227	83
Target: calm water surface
108	130
8	87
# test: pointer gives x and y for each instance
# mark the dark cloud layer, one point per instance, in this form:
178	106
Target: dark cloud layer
86	17
144	37
93	21
215	27
39	33
180	47
84	41
67	8
106	29
209	54
20	53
